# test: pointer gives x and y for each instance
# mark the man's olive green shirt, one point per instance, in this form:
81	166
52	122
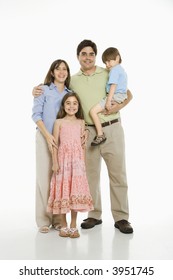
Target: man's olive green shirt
91	89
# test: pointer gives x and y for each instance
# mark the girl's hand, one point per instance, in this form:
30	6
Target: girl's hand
84	138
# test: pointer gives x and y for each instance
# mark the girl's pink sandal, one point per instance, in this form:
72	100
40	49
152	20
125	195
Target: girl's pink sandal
74	233
64	232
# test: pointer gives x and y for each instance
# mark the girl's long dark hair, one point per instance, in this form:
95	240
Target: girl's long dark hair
61	114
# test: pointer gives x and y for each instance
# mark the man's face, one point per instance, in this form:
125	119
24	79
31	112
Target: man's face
87	58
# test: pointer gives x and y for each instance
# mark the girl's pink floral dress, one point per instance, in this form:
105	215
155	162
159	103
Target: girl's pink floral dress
69	189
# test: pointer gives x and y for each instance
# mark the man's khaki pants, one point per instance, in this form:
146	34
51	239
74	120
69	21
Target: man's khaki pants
113	153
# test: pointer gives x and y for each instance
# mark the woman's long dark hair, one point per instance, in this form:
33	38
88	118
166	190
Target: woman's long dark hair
50	78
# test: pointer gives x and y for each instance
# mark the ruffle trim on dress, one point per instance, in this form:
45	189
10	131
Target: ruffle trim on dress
77	203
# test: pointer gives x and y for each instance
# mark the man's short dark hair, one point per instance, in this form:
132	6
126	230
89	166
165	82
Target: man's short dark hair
86	43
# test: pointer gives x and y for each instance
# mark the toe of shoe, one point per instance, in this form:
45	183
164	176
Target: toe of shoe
124	228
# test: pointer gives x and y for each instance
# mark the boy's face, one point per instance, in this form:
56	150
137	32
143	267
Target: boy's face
111	63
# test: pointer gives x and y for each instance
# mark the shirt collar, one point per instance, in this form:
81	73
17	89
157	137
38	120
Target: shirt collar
53	86
97	71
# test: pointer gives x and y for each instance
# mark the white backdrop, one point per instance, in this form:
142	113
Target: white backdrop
34	34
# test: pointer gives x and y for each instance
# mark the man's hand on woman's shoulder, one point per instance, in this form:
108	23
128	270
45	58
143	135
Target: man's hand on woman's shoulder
37	91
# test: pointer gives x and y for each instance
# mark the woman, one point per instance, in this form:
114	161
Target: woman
45	109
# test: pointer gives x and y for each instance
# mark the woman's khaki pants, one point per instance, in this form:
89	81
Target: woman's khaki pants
43	177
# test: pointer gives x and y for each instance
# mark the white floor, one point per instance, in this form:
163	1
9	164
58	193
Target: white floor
104	242
151	215
151	244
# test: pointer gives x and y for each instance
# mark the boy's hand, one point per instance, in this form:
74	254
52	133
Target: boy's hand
113	109
108	106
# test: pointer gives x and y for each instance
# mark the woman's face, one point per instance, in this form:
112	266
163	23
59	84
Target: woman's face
60	73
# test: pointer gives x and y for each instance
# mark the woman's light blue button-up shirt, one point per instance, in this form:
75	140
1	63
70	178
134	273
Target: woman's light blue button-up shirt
47	105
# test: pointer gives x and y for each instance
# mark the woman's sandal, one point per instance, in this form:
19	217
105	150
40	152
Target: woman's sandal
44	229
57	226
74	233
64	232
98	140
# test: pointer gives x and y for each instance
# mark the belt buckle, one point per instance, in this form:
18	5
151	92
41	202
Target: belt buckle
110	122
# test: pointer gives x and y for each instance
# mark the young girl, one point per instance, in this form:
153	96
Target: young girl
69	186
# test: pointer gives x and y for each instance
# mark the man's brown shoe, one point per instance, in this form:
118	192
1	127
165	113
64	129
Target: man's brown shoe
90	223
124	226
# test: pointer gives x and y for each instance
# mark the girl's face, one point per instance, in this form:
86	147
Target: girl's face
60	73
71	106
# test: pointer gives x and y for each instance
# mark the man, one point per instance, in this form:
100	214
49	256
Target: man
90	84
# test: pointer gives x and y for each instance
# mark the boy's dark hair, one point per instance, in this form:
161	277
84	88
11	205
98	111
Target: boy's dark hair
86	43
111	54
